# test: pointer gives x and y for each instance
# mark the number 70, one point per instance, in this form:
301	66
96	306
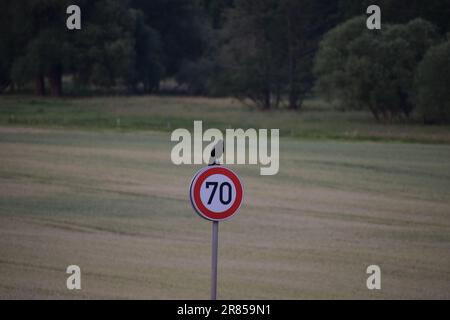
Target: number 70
223	186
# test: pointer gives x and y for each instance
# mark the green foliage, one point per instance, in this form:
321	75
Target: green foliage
373	70
267	48
433	84
216	9
181	27
115	46
249	56
6	47
331	62
147	66
37	47
402	11
105	46
259	50
197	76
100	53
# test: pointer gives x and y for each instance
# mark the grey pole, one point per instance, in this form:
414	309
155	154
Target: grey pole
215	154
214	249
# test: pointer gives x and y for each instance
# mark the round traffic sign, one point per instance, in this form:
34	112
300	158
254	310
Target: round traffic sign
216	193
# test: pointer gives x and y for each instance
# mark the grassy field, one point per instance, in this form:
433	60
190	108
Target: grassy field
112	203
316	121
79	186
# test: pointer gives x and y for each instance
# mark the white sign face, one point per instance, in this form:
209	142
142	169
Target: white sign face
216	193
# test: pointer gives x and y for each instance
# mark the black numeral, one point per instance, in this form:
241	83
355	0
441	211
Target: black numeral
214	184
223	199
225	184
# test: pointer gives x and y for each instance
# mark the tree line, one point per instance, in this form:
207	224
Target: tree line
132	43
400	69
271	53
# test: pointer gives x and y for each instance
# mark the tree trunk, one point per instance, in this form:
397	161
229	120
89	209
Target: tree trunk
375	113
292	66
267	99
55	79
39	85
293	98
278	96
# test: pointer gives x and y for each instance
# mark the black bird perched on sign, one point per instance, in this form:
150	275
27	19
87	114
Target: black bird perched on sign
216	153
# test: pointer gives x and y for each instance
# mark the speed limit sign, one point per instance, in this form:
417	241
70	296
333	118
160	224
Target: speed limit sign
216	193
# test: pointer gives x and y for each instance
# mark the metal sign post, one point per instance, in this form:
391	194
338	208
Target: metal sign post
214	251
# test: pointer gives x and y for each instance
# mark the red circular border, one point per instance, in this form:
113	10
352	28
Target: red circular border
198	204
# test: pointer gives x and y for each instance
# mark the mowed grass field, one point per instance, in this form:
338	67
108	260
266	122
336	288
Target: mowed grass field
317	120
112	202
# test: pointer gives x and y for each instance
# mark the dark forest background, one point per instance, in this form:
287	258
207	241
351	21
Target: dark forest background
269	53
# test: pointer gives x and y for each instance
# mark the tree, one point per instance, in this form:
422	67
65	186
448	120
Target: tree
361	69
147	66
249	59
402	11
36	46
302	23
332	60
267	49
215	10
113	44
7	51
104	49
181	28
433	85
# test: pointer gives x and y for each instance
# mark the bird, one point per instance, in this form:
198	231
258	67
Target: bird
216	153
